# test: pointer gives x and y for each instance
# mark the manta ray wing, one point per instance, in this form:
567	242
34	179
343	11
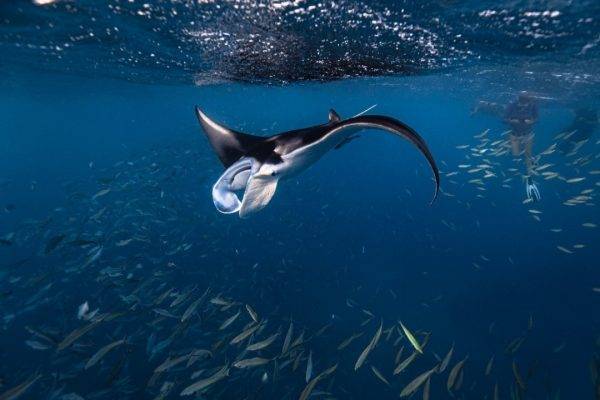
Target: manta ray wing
229	145
346	128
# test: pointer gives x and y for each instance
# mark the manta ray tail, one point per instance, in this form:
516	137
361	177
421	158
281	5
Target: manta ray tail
229	145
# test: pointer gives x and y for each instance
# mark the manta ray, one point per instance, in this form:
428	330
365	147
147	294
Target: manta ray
256	164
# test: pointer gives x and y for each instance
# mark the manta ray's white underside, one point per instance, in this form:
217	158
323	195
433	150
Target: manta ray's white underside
259	181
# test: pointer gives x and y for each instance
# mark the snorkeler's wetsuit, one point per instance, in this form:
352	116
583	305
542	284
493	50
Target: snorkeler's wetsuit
520	117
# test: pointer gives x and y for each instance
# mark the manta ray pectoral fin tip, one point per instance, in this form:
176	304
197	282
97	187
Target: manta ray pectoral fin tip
436	193
199	113
435	196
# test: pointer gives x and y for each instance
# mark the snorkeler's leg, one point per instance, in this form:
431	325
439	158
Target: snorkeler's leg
528	145
515	145
531	189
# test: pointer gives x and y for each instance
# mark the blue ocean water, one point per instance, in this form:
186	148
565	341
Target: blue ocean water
105	200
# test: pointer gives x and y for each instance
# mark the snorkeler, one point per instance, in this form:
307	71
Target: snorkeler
519	116
585	122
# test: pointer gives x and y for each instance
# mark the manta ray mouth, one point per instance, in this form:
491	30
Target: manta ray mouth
233	181
242	176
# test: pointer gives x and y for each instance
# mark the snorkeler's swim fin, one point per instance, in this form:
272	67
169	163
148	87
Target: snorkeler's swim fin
533	193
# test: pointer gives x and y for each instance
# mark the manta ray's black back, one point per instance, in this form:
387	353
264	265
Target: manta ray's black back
229	145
